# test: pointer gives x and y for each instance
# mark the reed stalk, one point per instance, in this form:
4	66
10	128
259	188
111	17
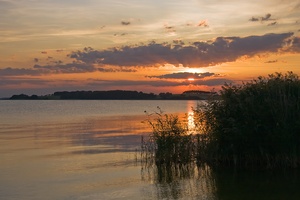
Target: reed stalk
253	125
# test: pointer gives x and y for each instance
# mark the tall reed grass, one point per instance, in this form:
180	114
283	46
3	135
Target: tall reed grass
253	125
169	142
256	124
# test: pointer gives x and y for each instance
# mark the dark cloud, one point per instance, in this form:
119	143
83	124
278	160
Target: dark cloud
36	60
100	69
58	62
213	82
294	44
203	23
267	17
169	28
125	23
254	19
112	70
197	54
272	24
144	83
17	81
161	83
18	72
59	68
183	75
180	42
48	69
44	52
120	34
122	69
272	61
66	68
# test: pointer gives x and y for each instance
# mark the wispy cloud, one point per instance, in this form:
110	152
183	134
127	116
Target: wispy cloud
42	86
169	29
120	34
294	44
203	23
66	68
272	24
213	82
8	80
59	68
48	69
271	61
267	17
160	83
125	23
183	75
19	72
4	81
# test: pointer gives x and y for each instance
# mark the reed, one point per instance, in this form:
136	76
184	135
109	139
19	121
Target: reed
256	124
253	125
169	143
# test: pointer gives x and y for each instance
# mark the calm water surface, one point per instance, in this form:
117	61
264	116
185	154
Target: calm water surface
87	150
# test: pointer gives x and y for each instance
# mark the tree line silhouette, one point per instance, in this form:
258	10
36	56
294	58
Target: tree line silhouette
109	95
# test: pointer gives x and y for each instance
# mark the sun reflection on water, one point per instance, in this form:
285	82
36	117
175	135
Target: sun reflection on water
191	122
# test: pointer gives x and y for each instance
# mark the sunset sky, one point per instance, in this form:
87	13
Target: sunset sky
145	45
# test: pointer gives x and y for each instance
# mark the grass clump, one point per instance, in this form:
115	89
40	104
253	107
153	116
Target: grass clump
255	124
169	142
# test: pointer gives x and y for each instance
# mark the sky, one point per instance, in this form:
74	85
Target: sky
144	45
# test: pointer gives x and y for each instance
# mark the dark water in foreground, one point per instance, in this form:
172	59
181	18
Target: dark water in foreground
87	150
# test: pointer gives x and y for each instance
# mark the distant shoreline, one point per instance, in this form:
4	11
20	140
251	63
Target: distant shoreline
117	95
8	99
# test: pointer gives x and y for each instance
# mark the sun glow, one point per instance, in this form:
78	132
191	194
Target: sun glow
191	79
193	70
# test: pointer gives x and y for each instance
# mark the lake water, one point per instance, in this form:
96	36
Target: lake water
87	150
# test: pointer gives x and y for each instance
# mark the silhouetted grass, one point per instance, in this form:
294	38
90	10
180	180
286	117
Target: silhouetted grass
253	125
169	142
256	124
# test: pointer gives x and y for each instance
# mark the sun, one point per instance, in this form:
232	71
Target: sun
191	79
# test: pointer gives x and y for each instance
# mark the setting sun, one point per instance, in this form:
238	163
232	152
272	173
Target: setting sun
191	79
